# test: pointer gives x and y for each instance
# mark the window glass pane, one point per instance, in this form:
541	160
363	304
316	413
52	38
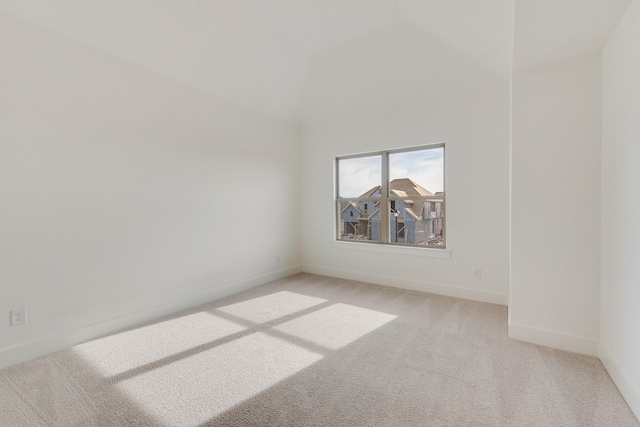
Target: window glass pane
417	222
359	177
359	220
413	211
415	173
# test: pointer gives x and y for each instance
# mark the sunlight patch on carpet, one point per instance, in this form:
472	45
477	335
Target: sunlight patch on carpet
269	307
128	350
197	388
336	326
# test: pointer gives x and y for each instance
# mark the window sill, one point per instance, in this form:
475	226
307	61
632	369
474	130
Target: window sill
391	249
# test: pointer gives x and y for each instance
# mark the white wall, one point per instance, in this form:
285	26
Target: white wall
620	279
555	248
121	190
474	125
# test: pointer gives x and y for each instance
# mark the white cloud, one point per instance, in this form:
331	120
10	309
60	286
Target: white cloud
422	167
357	176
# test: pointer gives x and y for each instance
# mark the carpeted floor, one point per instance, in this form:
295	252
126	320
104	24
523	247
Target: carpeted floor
315	351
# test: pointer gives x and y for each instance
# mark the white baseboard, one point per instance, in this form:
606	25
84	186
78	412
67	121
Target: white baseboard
414	285
51	343
556	340
620	379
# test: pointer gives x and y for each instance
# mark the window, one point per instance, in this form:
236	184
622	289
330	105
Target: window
400	228
397	197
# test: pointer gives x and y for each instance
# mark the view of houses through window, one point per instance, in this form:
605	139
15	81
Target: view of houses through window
393	197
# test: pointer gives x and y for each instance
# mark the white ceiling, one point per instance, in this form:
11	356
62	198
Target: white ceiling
551	30
307	60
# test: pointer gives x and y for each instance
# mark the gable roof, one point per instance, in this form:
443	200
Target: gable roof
409	187
371	192
353	205
405	187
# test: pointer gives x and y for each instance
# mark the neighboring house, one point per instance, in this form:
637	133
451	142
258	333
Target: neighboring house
361	220
419	222
349	217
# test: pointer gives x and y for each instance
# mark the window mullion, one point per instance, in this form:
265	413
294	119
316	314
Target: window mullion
384	200
336	166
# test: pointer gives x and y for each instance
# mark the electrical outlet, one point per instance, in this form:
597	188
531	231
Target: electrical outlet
477	273
18	317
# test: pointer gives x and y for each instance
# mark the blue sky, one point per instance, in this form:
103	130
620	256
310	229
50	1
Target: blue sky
425	167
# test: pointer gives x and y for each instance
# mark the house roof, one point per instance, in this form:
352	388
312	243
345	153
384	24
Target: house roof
402	187
409	187
353	204
371	192
405	187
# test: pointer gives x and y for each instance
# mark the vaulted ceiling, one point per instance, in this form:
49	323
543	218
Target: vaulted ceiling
308	60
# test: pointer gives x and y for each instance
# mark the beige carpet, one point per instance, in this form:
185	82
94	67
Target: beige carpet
313	351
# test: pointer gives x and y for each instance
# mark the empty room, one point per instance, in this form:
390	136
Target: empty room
319	213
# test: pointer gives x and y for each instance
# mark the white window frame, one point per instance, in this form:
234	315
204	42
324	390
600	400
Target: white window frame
385	199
